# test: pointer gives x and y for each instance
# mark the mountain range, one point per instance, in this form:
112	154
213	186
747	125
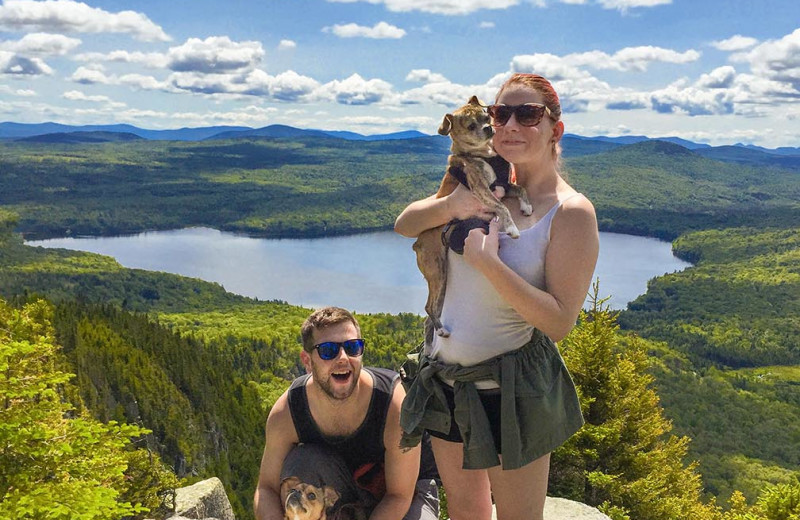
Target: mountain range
573	145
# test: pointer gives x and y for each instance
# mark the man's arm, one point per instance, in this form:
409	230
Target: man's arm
401	466
281	437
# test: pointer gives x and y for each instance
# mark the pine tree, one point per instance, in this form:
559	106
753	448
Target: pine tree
54	462
624	459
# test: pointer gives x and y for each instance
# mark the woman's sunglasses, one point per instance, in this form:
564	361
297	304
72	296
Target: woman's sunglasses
330	349
529	114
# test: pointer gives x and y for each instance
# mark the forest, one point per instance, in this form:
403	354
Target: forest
675	388
307	187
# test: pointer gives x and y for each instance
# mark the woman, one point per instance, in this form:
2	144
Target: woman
496	389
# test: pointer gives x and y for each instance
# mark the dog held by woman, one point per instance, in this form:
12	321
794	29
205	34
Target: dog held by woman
474	163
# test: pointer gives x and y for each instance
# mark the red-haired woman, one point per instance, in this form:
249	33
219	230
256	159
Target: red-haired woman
495	394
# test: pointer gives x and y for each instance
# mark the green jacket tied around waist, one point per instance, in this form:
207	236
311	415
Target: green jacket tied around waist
539	406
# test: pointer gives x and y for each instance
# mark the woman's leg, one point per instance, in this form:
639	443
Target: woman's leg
468	494
519	494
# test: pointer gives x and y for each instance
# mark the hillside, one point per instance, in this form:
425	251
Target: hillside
202	375
312	186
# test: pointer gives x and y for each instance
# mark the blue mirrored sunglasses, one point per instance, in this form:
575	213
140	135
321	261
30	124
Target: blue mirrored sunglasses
330	349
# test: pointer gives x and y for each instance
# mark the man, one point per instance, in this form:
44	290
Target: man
354	416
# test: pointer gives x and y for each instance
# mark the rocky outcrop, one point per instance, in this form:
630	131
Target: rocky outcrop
207	500
563	509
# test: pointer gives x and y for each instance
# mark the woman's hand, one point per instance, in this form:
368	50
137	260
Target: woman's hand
462	204
480	249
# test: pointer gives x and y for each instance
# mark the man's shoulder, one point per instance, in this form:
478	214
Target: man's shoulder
385	374
279	420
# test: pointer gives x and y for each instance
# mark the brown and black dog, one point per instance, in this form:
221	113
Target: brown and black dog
474	163
303	501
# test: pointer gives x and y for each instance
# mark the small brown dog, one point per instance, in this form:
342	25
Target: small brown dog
306	502
470	158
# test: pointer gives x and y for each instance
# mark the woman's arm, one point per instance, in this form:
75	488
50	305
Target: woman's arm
569	266
432	212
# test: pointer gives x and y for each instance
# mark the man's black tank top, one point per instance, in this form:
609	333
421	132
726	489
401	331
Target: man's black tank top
364	448
365	445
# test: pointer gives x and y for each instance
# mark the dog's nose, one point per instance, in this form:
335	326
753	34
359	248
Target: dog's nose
488	130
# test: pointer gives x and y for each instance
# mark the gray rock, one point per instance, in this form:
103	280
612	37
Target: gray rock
563	509
204	500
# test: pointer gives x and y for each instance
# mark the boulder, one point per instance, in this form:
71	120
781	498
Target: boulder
204	500
563	509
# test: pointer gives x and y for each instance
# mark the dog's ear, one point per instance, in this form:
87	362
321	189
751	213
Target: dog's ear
447	124
331	496
474	101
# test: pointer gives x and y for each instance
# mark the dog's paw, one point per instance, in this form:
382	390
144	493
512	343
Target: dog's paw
527	209
512	231
443	332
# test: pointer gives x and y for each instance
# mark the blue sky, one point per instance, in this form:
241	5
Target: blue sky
719	72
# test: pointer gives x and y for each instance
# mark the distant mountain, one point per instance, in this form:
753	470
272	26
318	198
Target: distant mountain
783	150
278	131
751	156
82	137
352	136
10	130
575	145
633	139
284	131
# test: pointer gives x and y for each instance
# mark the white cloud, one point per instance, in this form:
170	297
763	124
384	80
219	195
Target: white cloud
438	6
486	25
625	5
287	86
90	75
18	92
77	95
632	58
15	65
142	82
425	76
449	95
215	54
721	77
287	45
59	16
41	44
778	60
155	60
692	100
554	68
381	30
355	90
734	43
291	86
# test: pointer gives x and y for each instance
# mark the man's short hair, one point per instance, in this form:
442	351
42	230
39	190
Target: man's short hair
321	319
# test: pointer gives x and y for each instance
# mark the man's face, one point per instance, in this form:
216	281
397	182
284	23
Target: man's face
337	377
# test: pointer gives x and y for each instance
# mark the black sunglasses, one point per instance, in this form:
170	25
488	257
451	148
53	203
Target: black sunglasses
330	349
529	114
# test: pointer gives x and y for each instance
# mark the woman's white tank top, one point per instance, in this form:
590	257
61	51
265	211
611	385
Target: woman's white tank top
481	324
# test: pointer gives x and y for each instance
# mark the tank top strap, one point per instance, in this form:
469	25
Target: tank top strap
551	213
307	432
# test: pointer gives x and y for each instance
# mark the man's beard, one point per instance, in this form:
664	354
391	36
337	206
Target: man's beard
327	387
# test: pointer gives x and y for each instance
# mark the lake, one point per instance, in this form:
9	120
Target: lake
373	272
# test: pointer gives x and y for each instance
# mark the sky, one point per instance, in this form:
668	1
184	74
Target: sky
711	71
